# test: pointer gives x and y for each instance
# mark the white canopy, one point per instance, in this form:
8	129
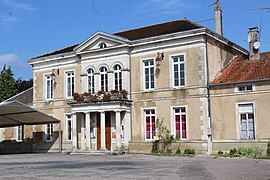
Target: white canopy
15	113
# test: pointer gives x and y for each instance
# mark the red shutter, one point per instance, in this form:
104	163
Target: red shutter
177	125
147	123
153	126
184	128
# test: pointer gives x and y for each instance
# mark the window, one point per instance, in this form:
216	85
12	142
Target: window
102	45
104	79
149	75
49	87
69	127
150	124
178	71
180	120
49	132
245	88
19	133
70	84
246	114
117	77
93	131
91	80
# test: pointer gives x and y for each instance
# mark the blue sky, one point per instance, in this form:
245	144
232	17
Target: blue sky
31	27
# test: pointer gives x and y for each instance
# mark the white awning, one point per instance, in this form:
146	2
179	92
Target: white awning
15	113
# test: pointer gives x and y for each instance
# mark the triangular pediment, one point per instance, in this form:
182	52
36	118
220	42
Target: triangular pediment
99	40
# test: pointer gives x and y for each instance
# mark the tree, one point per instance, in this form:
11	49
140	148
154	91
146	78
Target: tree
22	85
7	84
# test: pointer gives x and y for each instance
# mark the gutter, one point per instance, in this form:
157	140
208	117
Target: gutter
209	122
240	82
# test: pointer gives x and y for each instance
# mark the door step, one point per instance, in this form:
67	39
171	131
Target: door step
94	153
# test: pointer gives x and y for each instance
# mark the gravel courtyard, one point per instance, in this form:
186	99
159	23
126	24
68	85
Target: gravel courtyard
62	166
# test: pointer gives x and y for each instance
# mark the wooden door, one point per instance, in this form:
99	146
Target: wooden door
108	130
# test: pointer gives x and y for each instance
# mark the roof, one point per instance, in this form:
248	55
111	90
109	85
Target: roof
141	33
25	97
241	69
159	29
60	51
15	113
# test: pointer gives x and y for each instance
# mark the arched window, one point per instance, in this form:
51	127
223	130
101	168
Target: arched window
103	79
91	80
117	77
102	45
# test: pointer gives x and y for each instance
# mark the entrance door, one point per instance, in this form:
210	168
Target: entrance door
107	131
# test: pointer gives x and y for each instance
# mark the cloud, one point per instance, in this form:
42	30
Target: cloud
8	18
8	59
168	6
18	5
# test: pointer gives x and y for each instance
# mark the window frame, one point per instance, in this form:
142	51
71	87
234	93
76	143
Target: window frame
92	75
106	78
144	78
19	134
51	132
245	91
66	83
144	123
173	121
69	119
238	120
51	87
172	70
118	72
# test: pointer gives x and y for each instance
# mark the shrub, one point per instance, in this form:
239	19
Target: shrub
189	151
178	151
233	151
268	149
251	152
220	152
169	151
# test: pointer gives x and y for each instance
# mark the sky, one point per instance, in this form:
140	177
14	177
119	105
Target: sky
32	27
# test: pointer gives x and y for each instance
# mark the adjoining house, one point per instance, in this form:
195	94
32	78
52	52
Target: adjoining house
109	90
240	99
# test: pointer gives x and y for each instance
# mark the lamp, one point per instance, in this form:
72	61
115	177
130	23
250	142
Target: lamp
159	58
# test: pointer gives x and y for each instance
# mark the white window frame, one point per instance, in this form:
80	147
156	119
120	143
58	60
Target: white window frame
118	72
68	119
245	91
173	122
106	82
66	83
149	67
51	87
172	70
19	136
238	117
144	123
91	77
50	133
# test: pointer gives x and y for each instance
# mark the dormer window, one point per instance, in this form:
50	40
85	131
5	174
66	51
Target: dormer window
245	88
102	45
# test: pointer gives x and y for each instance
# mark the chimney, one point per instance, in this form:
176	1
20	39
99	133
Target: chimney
254	43
218	18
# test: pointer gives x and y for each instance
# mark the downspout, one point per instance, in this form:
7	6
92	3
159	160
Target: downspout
130	90
209	121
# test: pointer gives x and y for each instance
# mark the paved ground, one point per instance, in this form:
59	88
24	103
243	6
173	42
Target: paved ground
62	166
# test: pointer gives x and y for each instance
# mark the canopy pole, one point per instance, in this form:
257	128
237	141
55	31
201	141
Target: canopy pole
22	132
60	137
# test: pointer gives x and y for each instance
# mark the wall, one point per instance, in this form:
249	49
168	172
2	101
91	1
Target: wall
225	119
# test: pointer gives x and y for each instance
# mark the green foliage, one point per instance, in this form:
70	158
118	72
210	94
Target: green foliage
220	152
189	151
22	85
268	149
250	152
7	84
165	139
178	151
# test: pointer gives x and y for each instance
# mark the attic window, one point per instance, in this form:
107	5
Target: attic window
245	88
102	45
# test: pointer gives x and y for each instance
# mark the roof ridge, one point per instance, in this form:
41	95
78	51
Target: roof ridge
157	24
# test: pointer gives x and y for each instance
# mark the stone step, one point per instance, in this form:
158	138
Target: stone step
94	153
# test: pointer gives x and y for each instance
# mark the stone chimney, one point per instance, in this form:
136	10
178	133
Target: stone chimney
218	18
254	43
